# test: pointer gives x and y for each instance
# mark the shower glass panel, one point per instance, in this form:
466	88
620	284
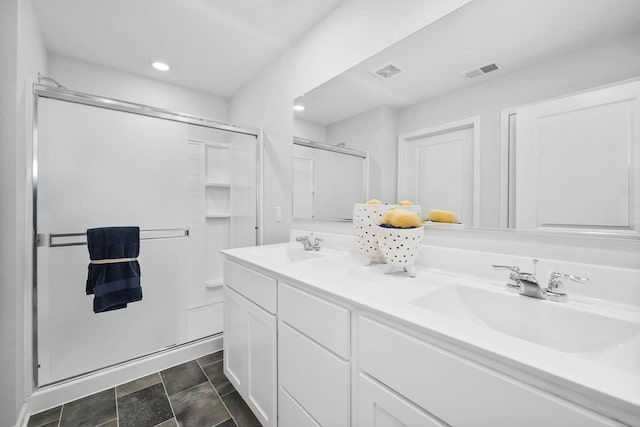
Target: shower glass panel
190	189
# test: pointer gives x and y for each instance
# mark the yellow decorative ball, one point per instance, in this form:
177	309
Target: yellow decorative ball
405	203
373	202
400	218
387	219
440	215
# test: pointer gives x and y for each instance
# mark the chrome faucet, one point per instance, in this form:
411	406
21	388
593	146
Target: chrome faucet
308	244
526	283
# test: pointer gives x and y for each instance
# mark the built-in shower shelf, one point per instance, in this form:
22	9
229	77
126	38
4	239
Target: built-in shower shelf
218	184
218	215
214	283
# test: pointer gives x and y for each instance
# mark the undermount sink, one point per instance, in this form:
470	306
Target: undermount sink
608	340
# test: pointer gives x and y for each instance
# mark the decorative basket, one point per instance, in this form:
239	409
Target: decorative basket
400	247
366	221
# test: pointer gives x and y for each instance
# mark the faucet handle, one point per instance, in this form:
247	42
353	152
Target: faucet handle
555	290
316	244
507	267
514	285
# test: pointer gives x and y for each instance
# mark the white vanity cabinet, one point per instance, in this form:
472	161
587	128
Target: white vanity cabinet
314	372
301	358
250	338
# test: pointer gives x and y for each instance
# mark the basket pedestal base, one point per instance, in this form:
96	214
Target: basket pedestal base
378	260
410	269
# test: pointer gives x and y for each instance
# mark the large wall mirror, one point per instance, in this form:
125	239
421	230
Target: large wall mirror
514	114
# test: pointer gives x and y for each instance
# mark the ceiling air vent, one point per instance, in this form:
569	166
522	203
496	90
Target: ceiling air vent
480	71
386	71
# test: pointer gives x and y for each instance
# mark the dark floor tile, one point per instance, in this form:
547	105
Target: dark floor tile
144	408
199	406
183	377
210	358
169	423
218	379
240	411
45	417
228	423
112	423
139	384
90	411
51	424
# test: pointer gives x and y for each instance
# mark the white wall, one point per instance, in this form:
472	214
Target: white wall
111	83
354	31
599	65
23	56
9	311
309	130
373	131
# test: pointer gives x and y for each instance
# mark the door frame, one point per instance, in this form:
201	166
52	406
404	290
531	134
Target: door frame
470	122
507	169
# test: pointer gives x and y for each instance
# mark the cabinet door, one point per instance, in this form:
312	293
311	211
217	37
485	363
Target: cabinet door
380	407
235	338
250	354
261	364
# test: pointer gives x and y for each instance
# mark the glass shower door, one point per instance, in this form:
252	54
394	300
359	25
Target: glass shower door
99	167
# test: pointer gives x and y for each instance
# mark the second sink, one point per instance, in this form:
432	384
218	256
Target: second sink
557	326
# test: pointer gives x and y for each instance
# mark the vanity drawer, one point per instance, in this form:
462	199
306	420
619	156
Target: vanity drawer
324	322
318	380
458	391
254	286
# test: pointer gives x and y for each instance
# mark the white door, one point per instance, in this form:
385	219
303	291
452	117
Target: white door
577	163
437	171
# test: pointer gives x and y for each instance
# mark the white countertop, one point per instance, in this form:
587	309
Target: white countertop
344	276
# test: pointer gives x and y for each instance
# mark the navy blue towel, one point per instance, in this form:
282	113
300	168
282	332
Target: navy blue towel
113	285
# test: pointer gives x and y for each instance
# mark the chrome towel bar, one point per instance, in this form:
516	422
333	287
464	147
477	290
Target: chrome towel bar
55	240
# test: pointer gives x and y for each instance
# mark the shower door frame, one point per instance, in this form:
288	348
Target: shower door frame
64	94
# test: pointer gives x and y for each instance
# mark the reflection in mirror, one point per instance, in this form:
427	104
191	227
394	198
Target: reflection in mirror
327	180
477	69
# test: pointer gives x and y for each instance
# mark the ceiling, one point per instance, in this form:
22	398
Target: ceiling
514	34
216	46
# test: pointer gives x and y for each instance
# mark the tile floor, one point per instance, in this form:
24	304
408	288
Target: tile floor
194	394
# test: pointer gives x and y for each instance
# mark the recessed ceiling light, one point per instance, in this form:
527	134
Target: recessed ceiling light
161	66
298	107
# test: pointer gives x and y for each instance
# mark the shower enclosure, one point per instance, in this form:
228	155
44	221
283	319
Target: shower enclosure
190	184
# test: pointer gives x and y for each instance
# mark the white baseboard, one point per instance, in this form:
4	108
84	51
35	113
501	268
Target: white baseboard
51	396
23	417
